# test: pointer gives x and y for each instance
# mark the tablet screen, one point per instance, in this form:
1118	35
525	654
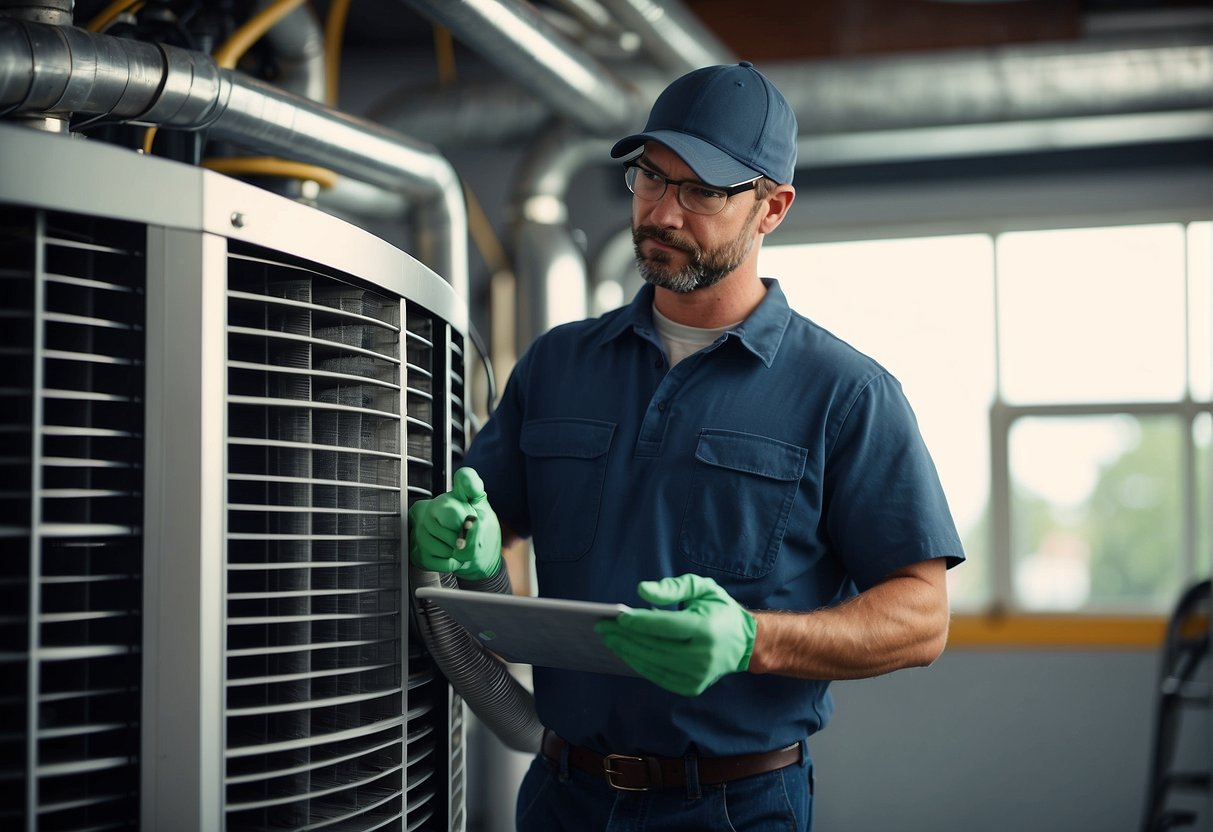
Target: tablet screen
549	632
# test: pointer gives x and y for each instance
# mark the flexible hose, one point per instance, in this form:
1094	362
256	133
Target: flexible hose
482	679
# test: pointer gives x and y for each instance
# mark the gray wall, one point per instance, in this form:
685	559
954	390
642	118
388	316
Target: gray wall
993	741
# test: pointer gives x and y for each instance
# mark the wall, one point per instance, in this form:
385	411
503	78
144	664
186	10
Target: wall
1046	741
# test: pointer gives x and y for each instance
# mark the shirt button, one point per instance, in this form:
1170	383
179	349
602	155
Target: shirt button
661	406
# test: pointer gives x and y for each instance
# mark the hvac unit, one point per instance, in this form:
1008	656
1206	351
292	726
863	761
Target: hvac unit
216	403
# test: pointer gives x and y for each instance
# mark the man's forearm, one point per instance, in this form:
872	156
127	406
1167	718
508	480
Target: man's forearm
901	622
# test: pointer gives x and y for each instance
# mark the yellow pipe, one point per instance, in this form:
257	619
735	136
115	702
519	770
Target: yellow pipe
334	32
227	56
242	39
106	16
271	166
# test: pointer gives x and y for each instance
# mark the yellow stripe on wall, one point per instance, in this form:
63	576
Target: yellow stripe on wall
1057	632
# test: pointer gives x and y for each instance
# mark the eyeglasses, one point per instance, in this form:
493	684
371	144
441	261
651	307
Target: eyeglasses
696	197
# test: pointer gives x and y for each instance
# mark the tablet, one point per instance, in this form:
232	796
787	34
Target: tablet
549	632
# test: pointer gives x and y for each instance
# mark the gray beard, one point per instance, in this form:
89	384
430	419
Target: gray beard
703	269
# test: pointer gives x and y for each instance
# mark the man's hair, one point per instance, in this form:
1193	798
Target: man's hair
764	187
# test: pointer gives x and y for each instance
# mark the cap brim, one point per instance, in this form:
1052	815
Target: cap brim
711	164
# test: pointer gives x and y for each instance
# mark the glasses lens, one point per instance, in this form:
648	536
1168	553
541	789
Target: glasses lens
645	184
702	200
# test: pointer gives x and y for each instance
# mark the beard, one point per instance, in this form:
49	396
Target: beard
704	267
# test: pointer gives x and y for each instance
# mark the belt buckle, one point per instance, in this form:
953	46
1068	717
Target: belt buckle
612	773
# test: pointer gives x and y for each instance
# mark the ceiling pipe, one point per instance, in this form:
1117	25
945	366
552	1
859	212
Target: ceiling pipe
1012	83
867	95
674	38
298	43
553	275
60	70
513	37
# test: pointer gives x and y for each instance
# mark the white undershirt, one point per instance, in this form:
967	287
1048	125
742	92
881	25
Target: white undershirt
681	340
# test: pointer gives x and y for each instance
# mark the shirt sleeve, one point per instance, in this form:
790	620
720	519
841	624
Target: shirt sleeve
884	506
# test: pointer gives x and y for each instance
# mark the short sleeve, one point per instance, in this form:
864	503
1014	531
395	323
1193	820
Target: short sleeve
883	503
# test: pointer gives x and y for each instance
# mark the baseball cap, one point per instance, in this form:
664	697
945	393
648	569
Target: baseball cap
728	123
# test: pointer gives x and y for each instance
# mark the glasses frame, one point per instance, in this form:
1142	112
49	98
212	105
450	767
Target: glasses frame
729	191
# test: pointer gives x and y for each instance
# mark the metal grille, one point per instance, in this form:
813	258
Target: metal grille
435	716
315	695
71	508
456	758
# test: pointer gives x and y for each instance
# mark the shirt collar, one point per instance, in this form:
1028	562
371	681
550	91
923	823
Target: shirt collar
761	333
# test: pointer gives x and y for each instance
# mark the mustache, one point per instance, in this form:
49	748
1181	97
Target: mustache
665	237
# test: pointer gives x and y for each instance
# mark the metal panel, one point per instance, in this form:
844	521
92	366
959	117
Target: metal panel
314	557
183	636
72	505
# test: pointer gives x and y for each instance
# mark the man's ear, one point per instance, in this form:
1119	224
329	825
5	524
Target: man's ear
778	202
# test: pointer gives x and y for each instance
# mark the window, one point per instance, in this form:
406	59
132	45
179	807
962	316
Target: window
1062	380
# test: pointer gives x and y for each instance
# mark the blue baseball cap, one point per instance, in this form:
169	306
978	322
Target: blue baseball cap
728	123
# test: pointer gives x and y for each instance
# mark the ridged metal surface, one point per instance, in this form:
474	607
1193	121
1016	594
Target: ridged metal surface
71	349
334	397
315	695
434	426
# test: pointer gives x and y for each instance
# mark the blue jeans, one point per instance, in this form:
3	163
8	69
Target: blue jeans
553	799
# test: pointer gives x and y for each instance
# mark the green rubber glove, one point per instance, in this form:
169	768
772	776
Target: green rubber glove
688	649
456	531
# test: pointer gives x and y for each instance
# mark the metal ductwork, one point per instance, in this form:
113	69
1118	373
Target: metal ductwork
853	96
509	35
554	77
298	43
1012	83
671	36
59	69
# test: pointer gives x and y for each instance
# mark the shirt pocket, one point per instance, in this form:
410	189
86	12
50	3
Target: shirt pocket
740	498
566	470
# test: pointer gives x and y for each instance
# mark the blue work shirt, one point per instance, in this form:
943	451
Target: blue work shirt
778	460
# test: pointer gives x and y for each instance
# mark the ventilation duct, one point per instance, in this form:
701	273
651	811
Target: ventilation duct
509	35
866	96
59	69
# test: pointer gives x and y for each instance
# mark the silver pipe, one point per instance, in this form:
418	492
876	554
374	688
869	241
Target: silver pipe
1013	83
66	70
1008	84
61	69
52	12
673	37
298	43
510	35
550	264
262	117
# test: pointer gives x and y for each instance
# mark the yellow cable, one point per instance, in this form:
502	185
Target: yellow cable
334	32
271	166
227	56
444	55
242	39
107	15
149	136
481	231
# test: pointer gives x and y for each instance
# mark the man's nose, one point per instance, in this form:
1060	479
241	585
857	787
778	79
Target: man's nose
668	212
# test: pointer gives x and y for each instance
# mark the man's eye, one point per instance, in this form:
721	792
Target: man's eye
708	194
649	175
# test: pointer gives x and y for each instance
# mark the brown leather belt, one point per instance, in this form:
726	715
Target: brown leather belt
631	773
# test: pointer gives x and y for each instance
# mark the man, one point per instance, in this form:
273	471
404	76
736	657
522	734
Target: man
755	487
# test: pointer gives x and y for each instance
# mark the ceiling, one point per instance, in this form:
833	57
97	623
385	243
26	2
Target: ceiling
786	30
